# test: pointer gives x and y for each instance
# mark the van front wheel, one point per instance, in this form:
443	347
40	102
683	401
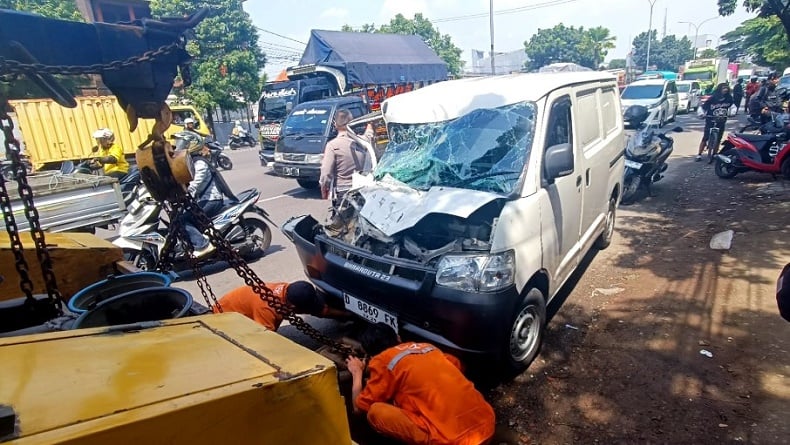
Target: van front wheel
526	332
605	239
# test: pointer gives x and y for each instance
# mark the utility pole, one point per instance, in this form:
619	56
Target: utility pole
491	19
664	31
696	32
649	34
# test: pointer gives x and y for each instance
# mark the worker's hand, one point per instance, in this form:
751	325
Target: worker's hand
355	366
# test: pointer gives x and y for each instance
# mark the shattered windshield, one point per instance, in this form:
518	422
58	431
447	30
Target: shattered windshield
484	150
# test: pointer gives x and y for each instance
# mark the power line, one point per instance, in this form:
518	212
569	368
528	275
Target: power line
280	46
279	35
545	4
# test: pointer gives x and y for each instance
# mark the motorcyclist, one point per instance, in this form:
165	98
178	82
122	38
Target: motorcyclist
110	155
716	109
238	130
207	187
765	101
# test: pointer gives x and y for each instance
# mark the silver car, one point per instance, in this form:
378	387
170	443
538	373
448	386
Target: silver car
688	95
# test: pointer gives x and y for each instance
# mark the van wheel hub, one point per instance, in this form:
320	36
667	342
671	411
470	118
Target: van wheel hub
524	334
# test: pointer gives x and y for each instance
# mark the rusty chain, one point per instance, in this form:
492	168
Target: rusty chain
249	277
12	148
8	66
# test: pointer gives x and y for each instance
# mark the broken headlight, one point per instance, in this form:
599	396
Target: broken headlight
477	273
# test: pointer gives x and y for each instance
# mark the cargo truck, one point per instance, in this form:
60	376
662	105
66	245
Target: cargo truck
708	72
372	66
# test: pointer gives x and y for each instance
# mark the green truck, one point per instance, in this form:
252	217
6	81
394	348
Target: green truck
708	72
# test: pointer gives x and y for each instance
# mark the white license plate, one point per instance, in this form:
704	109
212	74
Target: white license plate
270	130
291	171
633	164
370	312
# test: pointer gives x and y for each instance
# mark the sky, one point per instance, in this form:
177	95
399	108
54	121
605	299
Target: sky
282	25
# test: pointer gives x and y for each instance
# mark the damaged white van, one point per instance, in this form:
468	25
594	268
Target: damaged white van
489	194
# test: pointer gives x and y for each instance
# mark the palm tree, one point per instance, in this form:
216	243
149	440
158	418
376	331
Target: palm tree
599	42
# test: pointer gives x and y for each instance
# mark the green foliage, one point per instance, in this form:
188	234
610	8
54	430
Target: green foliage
442	44
226	38
668	53
586	47
761	38
56	9
765	9
617	64
708	53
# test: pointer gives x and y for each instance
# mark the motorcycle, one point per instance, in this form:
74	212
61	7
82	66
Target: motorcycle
241	140
217	159
7	171
764	153
142	232
646	153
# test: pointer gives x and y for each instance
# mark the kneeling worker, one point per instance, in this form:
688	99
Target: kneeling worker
416	393
299	294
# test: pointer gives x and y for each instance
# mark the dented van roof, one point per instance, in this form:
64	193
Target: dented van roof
454	98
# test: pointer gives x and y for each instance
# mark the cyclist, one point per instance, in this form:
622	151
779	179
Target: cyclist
716	109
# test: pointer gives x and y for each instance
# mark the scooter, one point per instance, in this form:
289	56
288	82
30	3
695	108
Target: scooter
646	153
7	171
217	159
241	140
742	152
142	232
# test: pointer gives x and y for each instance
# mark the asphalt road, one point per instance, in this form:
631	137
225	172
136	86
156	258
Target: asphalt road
283	198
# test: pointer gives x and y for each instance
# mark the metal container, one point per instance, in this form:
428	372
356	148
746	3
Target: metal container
149	304
114	285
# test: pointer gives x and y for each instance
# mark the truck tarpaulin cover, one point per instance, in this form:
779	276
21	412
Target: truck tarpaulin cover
368	58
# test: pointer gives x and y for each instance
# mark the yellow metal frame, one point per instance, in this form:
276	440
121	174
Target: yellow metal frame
216	379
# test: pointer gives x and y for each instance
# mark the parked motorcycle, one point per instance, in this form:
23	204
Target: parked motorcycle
646	153
765	153
142	232
243	139
8	172
218	160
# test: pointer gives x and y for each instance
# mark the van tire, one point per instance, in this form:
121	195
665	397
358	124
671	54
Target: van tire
525	335
309	184
605	239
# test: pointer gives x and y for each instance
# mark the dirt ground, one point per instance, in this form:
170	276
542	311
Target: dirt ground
622	360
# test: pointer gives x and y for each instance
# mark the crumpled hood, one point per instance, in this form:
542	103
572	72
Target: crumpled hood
392	207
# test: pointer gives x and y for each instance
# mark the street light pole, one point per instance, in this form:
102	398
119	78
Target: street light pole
649	34
696	32
491	19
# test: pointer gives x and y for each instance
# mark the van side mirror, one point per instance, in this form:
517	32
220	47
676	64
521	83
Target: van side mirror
558	161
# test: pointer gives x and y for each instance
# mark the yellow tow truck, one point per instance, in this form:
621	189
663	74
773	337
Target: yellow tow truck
211	379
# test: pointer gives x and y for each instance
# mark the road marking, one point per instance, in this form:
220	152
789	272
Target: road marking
282	196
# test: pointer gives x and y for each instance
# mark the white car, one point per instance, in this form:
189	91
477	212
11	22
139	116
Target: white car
658	93
688	95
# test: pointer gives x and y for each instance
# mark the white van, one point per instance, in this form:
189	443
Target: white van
658	93
488	196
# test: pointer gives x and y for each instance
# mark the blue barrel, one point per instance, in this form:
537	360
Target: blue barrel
149	304
115	285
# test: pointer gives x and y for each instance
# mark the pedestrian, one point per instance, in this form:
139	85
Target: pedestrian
716	109
752	87
417	394
737	94
765	101
342	158
111	156
301	295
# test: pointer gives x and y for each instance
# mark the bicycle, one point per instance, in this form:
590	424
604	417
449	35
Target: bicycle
714	137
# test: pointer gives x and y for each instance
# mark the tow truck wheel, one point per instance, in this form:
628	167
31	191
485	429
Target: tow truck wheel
526	332
309	184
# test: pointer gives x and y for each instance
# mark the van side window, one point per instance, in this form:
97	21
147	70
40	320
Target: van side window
560	129
609	110
587	119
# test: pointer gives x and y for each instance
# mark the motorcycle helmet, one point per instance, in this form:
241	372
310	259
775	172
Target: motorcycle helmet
104	133
636	114
238	123
189	141
188	121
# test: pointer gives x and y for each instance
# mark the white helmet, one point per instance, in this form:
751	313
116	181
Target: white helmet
103	133
238	123
188	121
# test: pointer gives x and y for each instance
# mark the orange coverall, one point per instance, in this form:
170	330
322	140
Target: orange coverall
246	302
418	395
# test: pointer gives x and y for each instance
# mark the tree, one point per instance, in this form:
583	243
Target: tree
764	8
666	54
760	38
617	64
56	9
586	47
708	53
598	41
226	57
442	44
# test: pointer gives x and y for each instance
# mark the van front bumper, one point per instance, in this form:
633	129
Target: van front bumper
466	322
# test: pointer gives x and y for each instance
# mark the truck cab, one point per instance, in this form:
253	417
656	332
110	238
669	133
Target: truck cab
300	144
278	99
